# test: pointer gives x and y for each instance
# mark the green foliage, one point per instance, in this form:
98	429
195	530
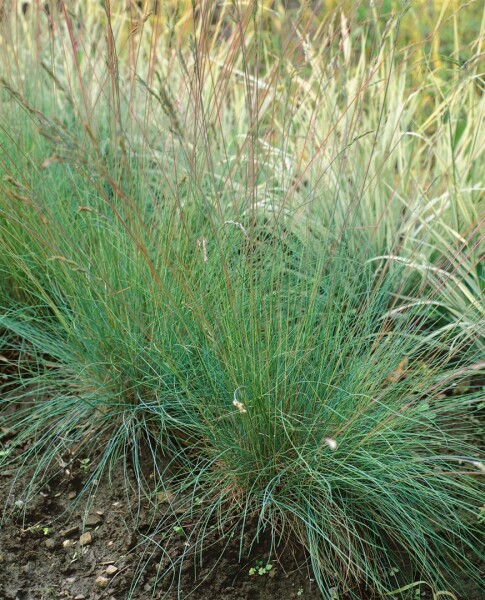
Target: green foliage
260	569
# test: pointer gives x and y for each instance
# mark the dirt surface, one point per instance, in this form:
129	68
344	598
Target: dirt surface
59	545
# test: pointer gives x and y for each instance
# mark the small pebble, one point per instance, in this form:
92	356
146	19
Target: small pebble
93	520
101	581
111	570
166	496
67	544
29	568
69	531
50	544
86	539
80	597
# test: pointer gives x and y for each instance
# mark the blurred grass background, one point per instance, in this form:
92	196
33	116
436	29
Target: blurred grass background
442	30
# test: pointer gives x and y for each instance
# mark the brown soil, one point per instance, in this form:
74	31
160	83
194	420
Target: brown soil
41	556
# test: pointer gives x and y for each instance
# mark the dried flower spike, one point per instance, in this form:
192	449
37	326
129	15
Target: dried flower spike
237	404
202	243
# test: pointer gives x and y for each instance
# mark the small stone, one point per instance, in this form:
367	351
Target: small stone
66	544
28	568
50	544
101	582
116	504
86	539
70	531
111	570
80	597
93	520
71	495
166	496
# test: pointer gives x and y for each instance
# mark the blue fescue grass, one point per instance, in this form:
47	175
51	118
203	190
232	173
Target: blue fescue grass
300	337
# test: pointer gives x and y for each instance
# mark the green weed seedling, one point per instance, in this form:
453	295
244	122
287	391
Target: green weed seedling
85	463
259	569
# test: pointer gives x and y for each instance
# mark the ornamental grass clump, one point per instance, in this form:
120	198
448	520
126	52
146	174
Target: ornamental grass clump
261	257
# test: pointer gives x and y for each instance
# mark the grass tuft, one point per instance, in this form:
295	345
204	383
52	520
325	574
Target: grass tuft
253	245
